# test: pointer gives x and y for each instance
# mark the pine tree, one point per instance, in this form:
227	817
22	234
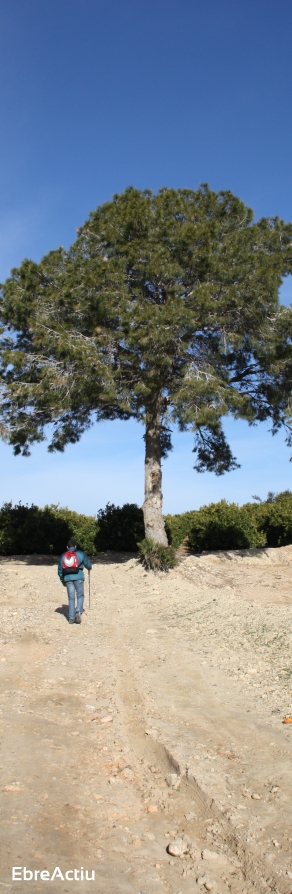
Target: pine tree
166	310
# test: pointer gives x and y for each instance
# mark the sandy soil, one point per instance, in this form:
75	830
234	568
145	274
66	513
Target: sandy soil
184	677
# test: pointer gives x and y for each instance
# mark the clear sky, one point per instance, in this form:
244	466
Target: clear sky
101	94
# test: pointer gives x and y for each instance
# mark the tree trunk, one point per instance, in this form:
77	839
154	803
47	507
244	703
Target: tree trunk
152	506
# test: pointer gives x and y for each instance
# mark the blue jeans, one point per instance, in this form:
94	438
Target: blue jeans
75	586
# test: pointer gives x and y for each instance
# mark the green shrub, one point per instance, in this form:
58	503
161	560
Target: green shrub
155	557
225	526
275	518
119	528
178	527
82	527
216	526
28	529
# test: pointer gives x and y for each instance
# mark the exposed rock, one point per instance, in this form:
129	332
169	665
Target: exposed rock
173	780
178	847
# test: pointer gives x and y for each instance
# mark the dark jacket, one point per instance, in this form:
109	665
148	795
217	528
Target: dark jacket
77	575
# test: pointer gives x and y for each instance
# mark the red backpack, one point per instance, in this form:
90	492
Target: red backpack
70	562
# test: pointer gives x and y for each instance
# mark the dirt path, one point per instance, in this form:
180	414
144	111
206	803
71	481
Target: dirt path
185	677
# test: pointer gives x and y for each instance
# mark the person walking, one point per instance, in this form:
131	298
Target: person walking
71	574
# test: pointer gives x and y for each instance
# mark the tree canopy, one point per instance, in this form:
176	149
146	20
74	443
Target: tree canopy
164	309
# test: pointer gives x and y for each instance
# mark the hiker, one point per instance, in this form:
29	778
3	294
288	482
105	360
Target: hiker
70	571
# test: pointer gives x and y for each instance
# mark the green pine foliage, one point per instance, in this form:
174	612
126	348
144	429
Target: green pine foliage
165	308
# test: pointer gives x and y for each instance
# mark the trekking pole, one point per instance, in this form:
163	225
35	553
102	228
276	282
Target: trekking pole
89	589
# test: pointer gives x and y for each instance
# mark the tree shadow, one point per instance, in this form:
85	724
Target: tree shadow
107	558
34	559
111	557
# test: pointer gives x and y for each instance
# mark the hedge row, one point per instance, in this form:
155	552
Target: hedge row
25	530
217	526
229	526
28	529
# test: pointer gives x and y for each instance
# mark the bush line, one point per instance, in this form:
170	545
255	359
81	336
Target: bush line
25	530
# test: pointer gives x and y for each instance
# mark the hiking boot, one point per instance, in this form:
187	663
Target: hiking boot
78	618
71	621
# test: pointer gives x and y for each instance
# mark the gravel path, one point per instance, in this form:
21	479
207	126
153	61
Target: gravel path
147	745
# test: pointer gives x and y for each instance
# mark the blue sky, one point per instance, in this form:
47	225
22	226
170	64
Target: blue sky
96	96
